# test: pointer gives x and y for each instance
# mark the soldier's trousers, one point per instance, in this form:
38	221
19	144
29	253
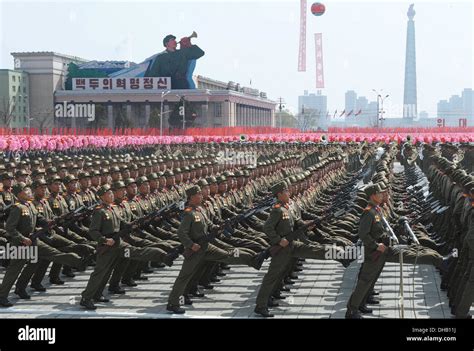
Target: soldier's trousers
55	255
191	264
467	295
279	266
45	252
108	258
63	245
372	268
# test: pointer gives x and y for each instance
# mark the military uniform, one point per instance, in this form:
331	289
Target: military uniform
280	224
106	223
20	225
194	229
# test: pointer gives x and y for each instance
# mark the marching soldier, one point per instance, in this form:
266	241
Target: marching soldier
193	234
278	227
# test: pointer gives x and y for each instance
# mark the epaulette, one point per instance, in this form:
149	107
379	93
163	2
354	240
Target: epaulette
368	208
277	206
188	209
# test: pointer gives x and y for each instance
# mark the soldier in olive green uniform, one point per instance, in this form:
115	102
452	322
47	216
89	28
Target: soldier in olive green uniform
107	228
20	225
376	251
192	231
278	226
36	271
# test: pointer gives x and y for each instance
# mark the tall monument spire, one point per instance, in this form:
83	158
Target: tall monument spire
409	97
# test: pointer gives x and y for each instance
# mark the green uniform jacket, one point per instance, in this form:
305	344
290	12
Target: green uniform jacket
279	224
193	227
21	222
105	223
371	227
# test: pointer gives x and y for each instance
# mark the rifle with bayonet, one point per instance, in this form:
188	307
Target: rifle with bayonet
61	221
130	227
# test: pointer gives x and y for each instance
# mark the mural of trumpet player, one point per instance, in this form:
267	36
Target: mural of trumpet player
174	62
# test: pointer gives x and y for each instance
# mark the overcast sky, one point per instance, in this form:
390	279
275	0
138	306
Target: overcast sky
363	42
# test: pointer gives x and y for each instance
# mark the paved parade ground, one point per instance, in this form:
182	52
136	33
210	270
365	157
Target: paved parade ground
321	291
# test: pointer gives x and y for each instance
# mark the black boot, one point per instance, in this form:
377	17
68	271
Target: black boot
353	315
4	302
88	304
38	287
364	309
22	294
263	311
175	309
56	281
116	290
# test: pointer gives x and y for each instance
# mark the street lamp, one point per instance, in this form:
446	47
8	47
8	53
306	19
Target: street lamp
380	111
163	94
281	108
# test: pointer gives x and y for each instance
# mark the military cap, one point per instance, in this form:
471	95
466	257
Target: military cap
129	181
203	182
142	180
118	185
69	178
114	169
53	179
21	172
103	189
7	175
19	187
211	180
372	189
278	188
152	176
169	173
51	170
95	173
38	183
83	175
221	179
37	171
193	190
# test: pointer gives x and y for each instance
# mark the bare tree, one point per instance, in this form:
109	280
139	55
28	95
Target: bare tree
6	111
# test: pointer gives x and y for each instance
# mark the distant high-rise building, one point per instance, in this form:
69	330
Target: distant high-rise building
316	106
14	98
458	110
409	97
351	100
